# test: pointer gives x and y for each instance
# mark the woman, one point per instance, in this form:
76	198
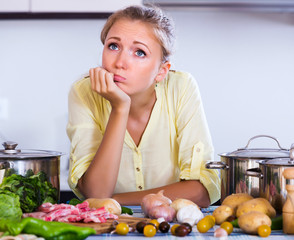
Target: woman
135	126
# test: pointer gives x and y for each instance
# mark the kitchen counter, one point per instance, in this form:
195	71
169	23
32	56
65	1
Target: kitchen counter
236	234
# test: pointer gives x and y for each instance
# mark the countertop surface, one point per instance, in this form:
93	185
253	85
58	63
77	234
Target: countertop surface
236	234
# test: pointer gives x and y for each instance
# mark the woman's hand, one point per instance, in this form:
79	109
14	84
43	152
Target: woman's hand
102	83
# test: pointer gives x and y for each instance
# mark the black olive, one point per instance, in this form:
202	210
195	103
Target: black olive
140	226
231	218
181	231
188	226
164	227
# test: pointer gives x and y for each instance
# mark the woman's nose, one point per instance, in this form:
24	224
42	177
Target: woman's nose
121	60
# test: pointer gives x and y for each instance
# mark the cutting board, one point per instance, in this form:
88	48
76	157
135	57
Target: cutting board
107	227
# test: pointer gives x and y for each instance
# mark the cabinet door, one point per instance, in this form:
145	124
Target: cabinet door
80	5
14	5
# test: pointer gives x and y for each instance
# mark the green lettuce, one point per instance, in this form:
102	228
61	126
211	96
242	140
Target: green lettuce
32	189
9	206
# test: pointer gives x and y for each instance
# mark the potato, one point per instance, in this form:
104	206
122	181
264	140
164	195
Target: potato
249	222
111	205
180	202
256	204
235	200
222	213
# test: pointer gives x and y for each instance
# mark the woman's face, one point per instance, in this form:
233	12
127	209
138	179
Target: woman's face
133	54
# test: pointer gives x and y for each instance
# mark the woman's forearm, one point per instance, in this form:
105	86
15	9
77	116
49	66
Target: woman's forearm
190	189
100	178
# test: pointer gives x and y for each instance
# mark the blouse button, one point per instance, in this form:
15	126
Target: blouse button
198	150
138	169
140	187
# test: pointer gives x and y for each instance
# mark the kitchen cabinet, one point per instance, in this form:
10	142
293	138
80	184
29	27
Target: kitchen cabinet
220	2
61	8
79	5
263	5
31	9
14	5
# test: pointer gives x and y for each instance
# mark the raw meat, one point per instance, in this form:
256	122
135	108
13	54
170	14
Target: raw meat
69	213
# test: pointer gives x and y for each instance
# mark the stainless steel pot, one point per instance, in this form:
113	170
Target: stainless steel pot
19	161
234	166
272	184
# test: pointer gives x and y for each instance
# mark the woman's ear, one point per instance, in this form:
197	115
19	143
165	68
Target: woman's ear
163	70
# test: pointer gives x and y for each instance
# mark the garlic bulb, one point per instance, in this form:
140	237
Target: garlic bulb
153	200
190	213
181	202
163	211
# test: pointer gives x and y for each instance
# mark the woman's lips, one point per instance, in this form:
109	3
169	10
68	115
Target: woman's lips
118	78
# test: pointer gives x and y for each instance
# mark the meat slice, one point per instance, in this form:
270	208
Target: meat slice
45	207
49	207
94	219
83	205
51	216
69	213
69	218
38	215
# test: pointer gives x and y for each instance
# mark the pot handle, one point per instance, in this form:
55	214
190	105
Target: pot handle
216	165
292	153
259	136
254	172
5	165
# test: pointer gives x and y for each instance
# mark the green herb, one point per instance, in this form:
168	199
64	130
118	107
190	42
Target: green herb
277	223
235	223
9	206
126	210
74	201
33	190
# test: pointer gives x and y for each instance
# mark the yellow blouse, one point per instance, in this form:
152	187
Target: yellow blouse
175	144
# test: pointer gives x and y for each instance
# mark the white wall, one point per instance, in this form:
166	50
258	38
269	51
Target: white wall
243	62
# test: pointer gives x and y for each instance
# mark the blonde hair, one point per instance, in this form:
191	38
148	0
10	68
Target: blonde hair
162	25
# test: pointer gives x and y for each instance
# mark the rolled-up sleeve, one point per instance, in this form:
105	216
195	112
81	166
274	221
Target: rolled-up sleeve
84	134
194	139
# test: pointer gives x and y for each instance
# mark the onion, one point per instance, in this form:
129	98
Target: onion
153	200
163	211
221	233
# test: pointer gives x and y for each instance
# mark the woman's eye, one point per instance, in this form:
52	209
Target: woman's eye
140	53
112	46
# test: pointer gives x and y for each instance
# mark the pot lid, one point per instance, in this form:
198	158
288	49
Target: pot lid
278	162
281	161
10	152
259	153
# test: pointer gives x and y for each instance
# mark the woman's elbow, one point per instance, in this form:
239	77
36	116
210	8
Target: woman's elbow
205	202
88	191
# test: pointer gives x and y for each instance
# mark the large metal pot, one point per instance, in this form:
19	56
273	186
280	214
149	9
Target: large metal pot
272	184
19	161
234	166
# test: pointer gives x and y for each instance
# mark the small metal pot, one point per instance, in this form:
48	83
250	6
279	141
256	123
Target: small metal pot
18	161
272	184
234	166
